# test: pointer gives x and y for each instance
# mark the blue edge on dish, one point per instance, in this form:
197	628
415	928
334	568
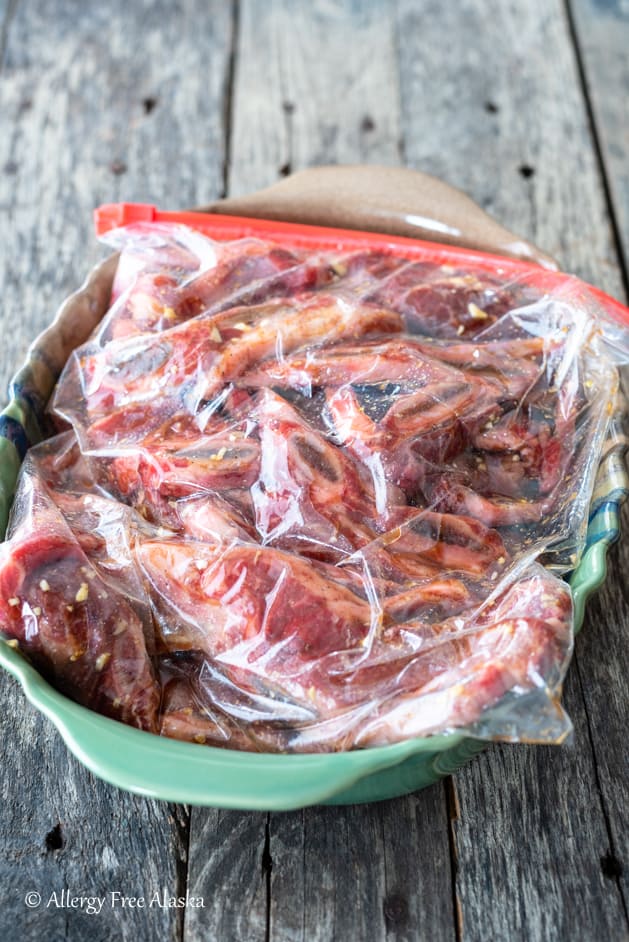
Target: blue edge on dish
204	775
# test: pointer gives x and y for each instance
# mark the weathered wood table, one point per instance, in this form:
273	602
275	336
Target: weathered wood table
525	106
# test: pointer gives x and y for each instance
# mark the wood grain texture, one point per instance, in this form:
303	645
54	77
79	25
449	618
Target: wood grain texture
62	829
497	109
530	836
377	872
603	680
315	83
96	106
100	108
601	33
328	874
7	9
506	120
228	869
602	36
143	102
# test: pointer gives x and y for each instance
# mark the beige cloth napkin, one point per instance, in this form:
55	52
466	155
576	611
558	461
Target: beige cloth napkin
394	200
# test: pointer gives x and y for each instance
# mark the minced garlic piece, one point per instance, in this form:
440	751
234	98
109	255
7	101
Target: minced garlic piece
14	601
82	593
43	585
101	660
476	312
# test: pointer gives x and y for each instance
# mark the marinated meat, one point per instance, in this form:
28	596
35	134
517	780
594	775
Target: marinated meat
303	495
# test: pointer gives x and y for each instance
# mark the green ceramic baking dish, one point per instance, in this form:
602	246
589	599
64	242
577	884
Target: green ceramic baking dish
197	774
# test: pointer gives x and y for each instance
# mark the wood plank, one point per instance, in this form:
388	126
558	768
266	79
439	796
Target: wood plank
98	103
602	35
7	9
62	829
530	837
228	869
328	874
602	674
91	120
506	121
315	83
602	38
374	872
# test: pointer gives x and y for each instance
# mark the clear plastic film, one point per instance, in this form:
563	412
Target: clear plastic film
310	500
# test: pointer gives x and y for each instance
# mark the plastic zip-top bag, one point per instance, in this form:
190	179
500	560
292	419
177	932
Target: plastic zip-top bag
315	490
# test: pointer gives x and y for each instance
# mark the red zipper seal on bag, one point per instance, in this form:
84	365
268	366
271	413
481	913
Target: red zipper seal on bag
111	216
